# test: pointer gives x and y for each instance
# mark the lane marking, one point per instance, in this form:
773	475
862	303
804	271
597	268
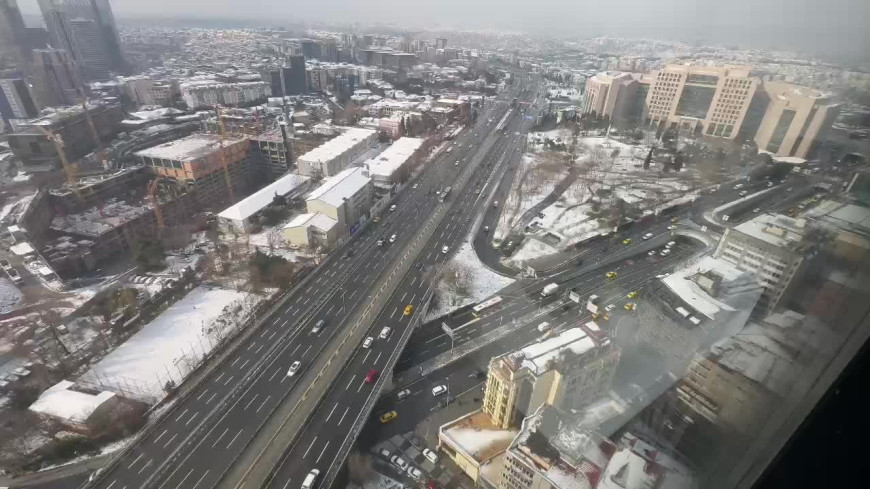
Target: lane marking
182	480
200	479
264	402
234	439
321	453
309	449
250	402
134	461
378	358
201	394
181	415
219	438
161	436
170	440
350	382
191	418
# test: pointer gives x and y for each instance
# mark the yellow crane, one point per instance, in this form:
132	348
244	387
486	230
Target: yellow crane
59	146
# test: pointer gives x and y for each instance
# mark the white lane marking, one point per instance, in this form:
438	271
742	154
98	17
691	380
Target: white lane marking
161	436
243	365
219	438
367	356
306	351
284	323
394	313
219	377
350	382
309	447
260	348
201	394
332	411
250	402
330	309
147	464
234	439
273	334
112	484
191	418
264	403
403	296
343	415
210	398
361	384
169	440
200	479
306	300
235	361
181	415
182	480
276	373
378	358
321	453
134	461
294	350
229	379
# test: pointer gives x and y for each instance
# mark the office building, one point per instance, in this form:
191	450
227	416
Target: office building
16	99
338	153
700	100
771	247
210	93
55	78
568	370
86	29
311	49
275	83
294	79
795	118
345	197
14	41
619	96
275	150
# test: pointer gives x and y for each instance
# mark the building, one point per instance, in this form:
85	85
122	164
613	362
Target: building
275	150
82	409
338	153
143	90
552	451
394	164
86	29
850	225
210	93
198	160
55	78
317	79
700	100
237	217
475	444
14	41
90	190
694	307
311	230
771	247
795	119
346	197
638	464
293	77
30	144
568	370
16	99
618	95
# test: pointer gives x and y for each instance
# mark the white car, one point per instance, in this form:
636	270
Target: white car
416	185
457	163
647	235
392	207
670	244
661	276
415	473
671	227
666	252
385	453
438	390
652	253
393	238
399	462
430	455
368	342
385	333
445	249
403	394
293	368
310	479
610	307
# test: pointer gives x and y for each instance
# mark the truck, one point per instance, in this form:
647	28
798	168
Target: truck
573	296
549	290
592	304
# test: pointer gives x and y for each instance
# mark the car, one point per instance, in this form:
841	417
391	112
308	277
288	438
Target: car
743	193
392	207
726	217
403	394
486	229
457	163
671	227
377	219
386	418
415	186
383	452
445	249
348	253
409	309
631	295
647	235
629	306
415	473
310	479
610	275
368	342
652	253
495	203
438	390
399	462
626	241
610	307
429	454
670	244
381	242
666	252
371	376
14	275
318	326
294	367
393	238
385	333
5	264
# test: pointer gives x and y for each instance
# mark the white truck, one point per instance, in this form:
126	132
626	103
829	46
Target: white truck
592	304
549	290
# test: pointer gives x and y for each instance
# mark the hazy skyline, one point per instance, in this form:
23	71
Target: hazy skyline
823	26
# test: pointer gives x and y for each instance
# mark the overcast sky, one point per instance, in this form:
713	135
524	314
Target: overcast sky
829	26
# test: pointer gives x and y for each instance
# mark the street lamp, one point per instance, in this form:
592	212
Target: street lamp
447	379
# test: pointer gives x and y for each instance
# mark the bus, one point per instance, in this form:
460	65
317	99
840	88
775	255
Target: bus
444	194
487	304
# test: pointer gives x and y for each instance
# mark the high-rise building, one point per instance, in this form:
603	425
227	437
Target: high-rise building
16	101
440	43
569	370
55	78
14	42
311	49
708	100
86	29
294	78
275	83
617	95
795	117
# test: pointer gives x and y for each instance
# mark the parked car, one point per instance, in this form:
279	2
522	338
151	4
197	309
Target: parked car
415	185
386	418
399	462
5	264
626	241
392	207
651	252
610	307
383	451
430	455
415	473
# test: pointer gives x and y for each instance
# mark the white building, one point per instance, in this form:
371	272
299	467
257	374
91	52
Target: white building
82	410
338	153
210	93
311	230
237	216
346	197
385	169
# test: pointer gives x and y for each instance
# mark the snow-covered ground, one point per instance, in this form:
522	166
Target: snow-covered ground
10	296
474	283
171	345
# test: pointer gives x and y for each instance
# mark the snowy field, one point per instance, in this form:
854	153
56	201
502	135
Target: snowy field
474	283
171	345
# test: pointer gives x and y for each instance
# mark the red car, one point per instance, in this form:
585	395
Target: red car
371	376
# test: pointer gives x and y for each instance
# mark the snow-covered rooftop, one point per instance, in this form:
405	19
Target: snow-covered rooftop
537	357
639	465
342	186
475	435
188	148
61	402
682	284
255	202
315	219
337	145
776	229
386	163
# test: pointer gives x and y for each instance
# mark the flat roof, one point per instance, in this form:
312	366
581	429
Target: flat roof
339	187
338	145
62	402
386	163
476	436
188	148
536	357
776	229
680	282
255	202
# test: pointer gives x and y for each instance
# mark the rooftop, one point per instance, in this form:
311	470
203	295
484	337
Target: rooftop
60	114
842	216
255	202
338	145
188	148
775	229
537	357
62	402
386	163
639	465
682	282
336	189
99	220
315	219
476	436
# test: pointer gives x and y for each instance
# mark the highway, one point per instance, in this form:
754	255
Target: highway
320	442
204	432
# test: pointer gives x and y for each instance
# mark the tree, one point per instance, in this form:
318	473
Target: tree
148	254
648	160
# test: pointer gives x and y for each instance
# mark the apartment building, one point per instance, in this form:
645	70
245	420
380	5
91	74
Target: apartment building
568	370
335	155
794	119
346	198
210	93
708	100
771	247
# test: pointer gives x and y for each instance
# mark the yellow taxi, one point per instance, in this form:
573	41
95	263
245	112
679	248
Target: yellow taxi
388	416
629	306
610	275
626	241
409	309
377	219
631	295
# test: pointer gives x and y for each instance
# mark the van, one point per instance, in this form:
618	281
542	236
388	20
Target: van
310	479
544	327
318	326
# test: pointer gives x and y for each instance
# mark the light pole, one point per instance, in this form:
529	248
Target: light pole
447	379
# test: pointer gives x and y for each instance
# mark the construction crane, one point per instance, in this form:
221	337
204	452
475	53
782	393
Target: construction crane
101	153
222	157
59	146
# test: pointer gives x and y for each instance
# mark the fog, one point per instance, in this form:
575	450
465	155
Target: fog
818	26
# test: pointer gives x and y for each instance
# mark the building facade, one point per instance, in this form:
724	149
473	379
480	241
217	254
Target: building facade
795	118
55	78
14	41
618	95
16	99
211	93
346	198
335	155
